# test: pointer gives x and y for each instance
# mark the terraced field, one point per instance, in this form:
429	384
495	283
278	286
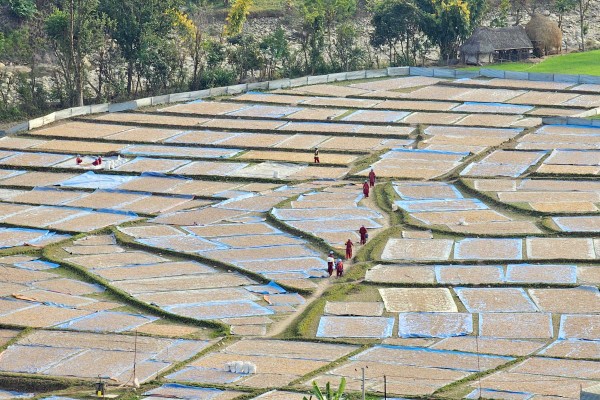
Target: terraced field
183	248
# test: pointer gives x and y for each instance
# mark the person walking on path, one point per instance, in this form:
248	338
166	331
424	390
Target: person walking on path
339	268
317	161
372	178
366	189
330	262
363	234
349	246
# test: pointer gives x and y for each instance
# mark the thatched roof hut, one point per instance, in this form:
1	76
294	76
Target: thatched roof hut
545	35
496	44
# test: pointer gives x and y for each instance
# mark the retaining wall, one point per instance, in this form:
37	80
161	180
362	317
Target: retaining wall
320	79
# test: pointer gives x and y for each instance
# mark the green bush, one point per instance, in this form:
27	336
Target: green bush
24	9
31	100
217	77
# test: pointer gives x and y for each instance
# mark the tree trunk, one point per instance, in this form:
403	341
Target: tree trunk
196	58
79	60
100	75
129	77
72	67
582	23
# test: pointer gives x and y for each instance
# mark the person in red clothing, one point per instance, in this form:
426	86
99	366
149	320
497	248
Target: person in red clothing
366	189
363	234
349	246
372	178
78	160
317	161
339	268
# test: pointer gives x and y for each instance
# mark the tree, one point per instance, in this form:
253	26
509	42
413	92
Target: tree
502	19
396	21
312	36
329	393
448	22
561	7
335	13
348	55
187	38
107	62
275	50
26	44
521	8
74	30
140	26
237	17
245	56
583	8
319	20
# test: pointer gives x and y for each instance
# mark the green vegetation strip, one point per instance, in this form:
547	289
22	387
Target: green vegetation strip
36	383
384	197
472	378
365	162
574	63
50	253
325	368
317	242
225	341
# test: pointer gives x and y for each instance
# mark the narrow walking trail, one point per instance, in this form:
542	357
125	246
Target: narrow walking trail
280	326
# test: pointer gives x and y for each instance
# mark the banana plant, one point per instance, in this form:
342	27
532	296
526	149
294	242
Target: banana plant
329	393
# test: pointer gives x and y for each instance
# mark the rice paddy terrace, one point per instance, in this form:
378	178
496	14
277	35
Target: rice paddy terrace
200	240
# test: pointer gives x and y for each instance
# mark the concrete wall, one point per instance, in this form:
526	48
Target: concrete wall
315	80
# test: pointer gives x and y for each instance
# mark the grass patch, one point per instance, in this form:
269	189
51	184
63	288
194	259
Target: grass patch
375	246
18	336
21	250
33	383
459	388
384	196
344	115
305	324
365	162
586	63
357	272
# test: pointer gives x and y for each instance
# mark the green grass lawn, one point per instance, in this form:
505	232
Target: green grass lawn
587	63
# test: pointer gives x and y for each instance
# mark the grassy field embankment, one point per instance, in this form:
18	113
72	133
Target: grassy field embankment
587	63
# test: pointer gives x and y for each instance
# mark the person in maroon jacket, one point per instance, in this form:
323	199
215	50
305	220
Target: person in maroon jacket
349	246
372	178
366	189
363	234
